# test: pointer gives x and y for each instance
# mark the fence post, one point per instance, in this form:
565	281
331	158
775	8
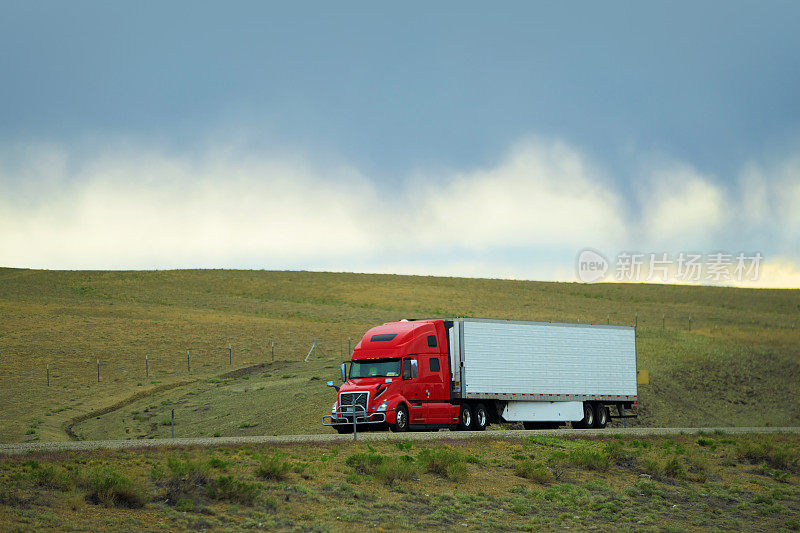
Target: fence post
146	367
172	423
48	374
273	351
98	370
188	368
690	323
230	354
663	319
608	319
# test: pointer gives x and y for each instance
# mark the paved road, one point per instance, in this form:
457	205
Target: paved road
32	447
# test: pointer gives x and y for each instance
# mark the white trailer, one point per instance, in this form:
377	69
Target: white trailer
542	372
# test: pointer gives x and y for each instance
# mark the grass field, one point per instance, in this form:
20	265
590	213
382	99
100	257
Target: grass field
709	482
737	366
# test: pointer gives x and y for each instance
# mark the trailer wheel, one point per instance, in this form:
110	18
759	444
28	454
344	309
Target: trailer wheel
464	418
588	418
481	418
600	416
401	420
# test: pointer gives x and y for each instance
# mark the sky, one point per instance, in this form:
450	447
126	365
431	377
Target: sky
456	139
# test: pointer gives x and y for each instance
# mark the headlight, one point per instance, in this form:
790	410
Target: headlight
382	407
333	409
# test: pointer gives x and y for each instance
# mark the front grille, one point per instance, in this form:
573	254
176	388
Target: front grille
349	399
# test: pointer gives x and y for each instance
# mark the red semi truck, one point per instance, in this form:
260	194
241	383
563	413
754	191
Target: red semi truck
467	373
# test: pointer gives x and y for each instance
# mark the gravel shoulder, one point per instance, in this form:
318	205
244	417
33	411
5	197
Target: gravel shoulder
36	447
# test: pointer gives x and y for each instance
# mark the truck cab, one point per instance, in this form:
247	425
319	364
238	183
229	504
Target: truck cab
399	375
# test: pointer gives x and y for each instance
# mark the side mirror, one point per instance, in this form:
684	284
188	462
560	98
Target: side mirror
330	384
344	372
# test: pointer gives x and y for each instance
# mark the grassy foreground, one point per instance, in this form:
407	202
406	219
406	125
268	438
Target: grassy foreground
737	365
713	481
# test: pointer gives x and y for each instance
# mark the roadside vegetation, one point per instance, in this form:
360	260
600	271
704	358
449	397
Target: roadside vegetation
716	481
736	366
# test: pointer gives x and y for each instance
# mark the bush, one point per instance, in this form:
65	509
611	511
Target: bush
230	489
397	469
674	469
445	462
537	473
274	467
780	457
186	479
111	488
365	463
590	460
457	472
219	464
50	477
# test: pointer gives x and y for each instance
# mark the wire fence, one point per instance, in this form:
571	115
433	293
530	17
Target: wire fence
198	359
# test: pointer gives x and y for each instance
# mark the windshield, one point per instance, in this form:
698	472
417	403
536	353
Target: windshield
380	368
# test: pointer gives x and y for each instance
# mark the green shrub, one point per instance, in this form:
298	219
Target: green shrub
365	463
780	457
394	469
219	464
274	467
185	504
457	472
186	479
50	477
674	469
186	469
231	489
591	460
443	461
537	473
112	489
404	445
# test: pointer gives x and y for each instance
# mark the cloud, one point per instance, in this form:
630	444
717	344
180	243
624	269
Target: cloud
524	217
542	194
134	209
681	208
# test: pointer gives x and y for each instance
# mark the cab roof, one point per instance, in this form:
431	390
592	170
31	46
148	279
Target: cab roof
396	339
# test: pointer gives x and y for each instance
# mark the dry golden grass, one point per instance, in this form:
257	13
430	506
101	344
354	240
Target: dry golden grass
737	366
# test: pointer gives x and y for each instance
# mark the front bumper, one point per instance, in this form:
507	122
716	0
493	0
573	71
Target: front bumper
341	418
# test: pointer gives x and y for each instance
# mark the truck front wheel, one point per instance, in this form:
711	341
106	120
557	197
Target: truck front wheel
481	418
400	419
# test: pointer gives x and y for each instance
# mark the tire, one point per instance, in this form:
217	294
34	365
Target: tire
465	418
343	430
588	418
600	416
401	420
481	418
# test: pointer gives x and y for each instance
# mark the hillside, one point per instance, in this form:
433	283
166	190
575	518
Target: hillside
737	366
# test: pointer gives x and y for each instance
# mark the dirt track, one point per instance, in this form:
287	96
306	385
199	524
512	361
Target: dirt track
33	447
